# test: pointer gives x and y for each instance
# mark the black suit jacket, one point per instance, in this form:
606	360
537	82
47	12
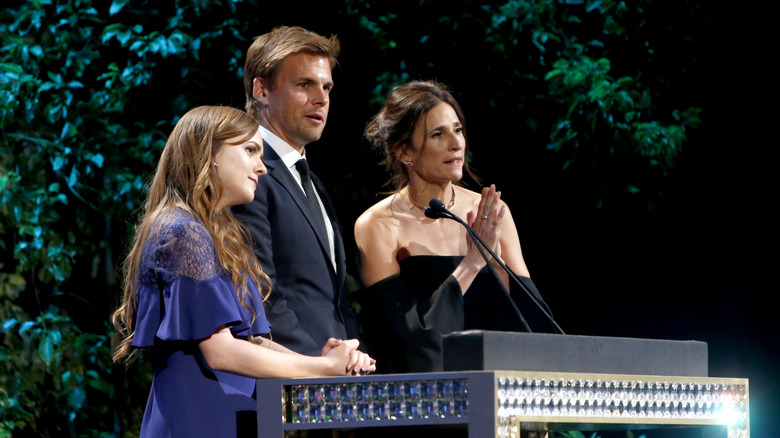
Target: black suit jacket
308	303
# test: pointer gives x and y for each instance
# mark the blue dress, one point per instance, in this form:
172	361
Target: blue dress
184	295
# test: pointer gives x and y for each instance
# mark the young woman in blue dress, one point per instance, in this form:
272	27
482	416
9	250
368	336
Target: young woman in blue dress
194	291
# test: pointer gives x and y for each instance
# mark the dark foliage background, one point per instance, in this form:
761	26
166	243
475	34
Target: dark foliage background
632	141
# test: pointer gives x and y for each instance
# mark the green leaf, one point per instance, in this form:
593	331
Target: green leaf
55	336
46	86
9	324
73	178
68	131
27	325
100	384
97	159
116	6
46	349
57	163
76	399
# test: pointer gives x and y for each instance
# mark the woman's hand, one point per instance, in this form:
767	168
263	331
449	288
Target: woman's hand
487	221
349	360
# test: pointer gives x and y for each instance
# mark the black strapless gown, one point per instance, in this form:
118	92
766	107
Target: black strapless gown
405	316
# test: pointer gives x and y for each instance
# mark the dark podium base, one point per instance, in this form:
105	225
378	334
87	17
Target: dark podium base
512	351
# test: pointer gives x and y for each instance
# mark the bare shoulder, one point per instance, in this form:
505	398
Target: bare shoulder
470	197
378	219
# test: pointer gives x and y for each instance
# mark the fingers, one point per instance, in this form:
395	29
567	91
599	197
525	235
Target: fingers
483	204
370	367
352	344
488	202
331	344
489	211
358	363
500	215
487	219
364	365
470	218
355	364
353	360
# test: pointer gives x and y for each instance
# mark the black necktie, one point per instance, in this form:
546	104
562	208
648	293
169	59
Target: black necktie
308	187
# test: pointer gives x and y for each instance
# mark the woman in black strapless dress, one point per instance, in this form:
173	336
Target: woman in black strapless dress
424	277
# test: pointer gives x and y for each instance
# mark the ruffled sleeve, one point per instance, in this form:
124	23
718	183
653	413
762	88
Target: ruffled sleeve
183	293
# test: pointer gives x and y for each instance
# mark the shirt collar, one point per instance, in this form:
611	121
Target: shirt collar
287	153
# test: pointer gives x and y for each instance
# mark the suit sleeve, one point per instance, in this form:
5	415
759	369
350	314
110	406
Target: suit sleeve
350	320
345	307
286	328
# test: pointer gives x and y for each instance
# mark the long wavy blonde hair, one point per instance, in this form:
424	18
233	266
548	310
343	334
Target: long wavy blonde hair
185	178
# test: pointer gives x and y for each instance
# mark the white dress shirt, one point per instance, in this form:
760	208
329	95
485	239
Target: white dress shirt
289	157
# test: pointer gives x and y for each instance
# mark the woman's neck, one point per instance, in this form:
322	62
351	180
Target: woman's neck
421	197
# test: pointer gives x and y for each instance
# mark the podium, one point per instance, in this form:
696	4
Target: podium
522	399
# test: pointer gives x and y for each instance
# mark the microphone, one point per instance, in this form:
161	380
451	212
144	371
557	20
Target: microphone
438	210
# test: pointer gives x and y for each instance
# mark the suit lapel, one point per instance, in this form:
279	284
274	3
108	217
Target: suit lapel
338	244
279	171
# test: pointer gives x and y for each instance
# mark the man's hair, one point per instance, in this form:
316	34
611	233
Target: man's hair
265	55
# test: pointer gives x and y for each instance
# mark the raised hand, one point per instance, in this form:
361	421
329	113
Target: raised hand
487	220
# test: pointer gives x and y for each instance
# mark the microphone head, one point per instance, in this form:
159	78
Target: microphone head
431	213
437	205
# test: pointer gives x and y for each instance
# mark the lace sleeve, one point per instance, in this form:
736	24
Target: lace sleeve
183	292
183	248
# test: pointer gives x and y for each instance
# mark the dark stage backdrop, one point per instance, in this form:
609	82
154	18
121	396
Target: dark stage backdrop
698	265
695	267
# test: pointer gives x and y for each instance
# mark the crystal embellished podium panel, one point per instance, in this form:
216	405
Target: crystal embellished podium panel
522	385
506	404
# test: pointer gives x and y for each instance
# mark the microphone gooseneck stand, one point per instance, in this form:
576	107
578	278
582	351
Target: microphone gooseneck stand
438	210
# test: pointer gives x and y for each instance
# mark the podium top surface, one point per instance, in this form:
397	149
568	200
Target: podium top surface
492	350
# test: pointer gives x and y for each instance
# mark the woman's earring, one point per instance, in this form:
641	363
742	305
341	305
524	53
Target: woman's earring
215	164
408	163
